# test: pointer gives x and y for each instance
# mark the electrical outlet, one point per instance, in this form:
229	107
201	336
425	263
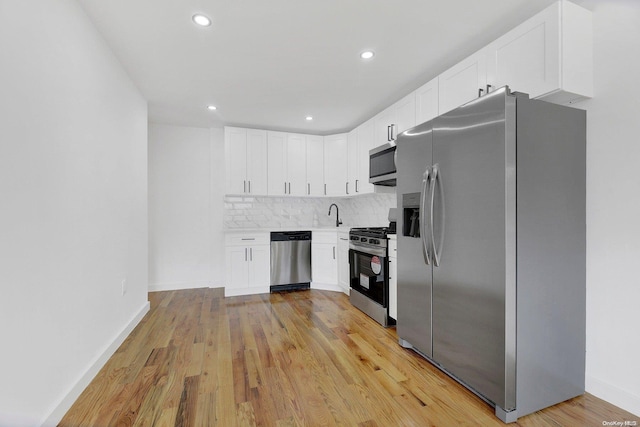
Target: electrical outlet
124	286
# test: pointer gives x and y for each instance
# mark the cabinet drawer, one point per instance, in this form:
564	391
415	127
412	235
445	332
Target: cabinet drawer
330	237
246	239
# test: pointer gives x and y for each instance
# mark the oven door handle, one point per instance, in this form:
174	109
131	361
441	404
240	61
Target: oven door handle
423	198
368	250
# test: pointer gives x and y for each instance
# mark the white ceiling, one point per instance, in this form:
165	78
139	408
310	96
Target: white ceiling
269	63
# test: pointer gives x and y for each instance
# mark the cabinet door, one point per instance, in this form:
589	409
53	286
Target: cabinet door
405	115
462	83
256	162
427	101
259	271
296	165
315	165
324	263
335	164
235	149
365	143
527	57
382	126
343	263
352	159
393	287
277	162
237	272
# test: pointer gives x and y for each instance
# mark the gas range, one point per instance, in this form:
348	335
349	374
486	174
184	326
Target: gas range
369	272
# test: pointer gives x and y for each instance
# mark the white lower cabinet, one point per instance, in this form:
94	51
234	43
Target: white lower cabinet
324	260
343	261
393	277
247	264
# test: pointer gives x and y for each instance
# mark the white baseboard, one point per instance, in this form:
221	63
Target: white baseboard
328	287
67	401
175	286
234	292
624	399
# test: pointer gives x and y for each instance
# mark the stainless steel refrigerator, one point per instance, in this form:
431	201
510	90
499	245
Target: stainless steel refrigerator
491	248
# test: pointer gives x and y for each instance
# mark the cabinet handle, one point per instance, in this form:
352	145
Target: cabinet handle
388	133
334	252
480	92
357	185
289	188
245	254
489	89
244	186
285	188
393	136
325	189
308	188
346	187
249	187
250	254
248	238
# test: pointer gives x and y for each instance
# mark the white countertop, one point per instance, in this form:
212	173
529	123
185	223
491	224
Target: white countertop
268	230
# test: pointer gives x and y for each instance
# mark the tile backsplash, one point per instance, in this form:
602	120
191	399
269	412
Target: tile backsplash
369	210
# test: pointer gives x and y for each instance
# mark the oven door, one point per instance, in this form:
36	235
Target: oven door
368	274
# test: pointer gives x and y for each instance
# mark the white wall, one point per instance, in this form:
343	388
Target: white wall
613	206
186	185
73	207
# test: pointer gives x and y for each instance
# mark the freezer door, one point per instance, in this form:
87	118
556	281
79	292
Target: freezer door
474	238
414	274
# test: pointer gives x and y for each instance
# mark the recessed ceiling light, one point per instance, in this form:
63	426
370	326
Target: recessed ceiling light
212	107
202	20
308	118
367	54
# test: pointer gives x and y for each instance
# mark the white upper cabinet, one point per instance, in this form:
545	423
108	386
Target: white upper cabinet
463	82
395	119
427	101
366	142
246	161
382	126
315	165
277	161
352	158
296	164
287	160
335	164
256	162
405	111
548	56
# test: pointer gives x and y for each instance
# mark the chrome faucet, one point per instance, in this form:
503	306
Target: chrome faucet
338	222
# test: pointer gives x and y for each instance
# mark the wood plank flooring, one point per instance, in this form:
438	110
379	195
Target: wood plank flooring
302	358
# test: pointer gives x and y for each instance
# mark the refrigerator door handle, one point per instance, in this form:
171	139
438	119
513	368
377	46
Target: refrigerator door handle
435	180
423	197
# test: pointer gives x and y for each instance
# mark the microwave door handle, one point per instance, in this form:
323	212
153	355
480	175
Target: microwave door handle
423	198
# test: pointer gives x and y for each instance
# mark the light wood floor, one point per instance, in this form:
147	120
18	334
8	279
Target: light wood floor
290	359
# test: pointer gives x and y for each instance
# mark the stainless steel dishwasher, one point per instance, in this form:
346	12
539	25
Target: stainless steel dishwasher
290	260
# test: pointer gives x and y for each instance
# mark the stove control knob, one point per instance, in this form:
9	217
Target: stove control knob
374	241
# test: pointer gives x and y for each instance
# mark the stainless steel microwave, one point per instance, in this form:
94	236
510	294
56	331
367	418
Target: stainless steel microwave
382	165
